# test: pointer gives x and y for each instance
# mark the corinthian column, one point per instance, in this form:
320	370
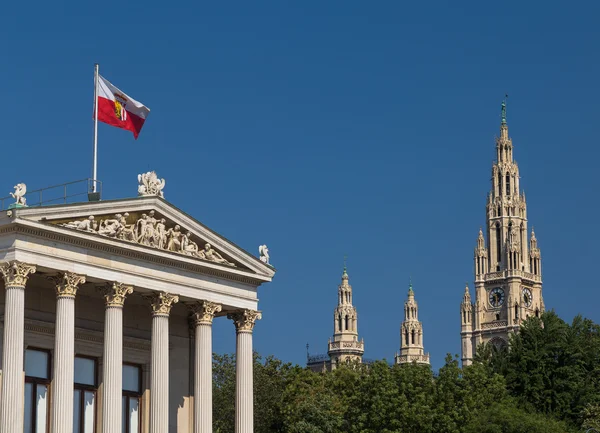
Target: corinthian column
64	352
11	410
159	382
244	387
202	315
112	371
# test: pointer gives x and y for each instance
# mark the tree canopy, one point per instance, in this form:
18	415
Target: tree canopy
548	381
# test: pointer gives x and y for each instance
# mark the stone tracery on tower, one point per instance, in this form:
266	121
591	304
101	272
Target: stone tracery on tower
508	281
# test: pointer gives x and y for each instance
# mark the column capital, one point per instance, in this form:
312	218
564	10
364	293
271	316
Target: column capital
204	312
67	283
162	302
16	273
115	293
244	319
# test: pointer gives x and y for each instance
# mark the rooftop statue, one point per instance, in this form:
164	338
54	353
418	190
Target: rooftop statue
264	254
150	184
19	194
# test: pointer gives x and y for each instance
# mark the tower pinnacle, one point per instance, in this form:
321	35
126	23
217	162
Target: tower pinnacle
503	112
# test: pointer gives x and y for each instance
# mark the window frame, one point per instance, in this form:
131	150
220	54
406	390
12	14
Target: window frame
87	388
35	381
133	394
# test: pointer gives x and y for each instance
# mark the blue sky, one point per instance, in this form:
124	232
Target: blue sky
326	129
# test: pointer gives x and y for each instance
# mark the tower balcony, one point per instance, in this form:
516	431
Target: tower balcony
347	346
407	359
508	273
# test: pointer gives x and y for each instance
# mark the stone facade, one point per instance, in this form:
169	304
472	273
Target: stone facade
118	292
411	334
508	275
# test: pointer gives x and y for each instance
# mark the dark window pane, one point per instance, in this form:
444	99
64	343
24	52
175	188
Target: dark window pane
85	371
76	411
28	408
131	378
36	364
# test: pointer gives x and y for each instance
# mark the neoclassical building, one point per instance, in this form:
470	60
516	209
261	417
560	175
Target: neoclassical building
508	274
108	311
344	347
411	334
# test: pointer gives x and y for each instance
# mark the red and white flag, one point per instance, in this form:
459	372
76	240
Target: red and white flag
118	109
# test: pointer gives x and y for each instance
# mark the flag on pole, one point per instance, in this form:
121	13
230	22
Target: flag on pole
118	109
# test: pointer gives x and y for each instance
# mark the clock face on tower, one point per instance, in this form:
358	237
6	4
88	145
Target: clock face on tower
527	297
496	297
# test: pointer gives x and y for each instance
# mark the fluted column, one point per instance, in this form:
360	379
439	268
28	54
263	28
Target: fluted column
244	387
159	369
202	315
64	352
11	410
112	367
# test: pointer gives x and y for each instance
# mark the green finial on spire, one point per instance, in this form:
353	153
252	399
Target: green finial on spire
410	289
504	109
345	270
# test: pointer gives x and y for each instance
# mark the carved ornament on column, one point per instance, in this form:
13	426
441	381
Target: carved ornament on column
67	284
115	294
16	273
162	303
204	312
244	320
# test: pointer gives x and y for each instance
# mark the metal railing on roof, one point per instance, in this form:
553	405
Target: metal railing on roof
65	193
317	358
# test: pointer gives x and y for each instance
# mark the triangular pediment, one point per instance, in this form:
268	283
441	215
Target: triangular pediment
150	223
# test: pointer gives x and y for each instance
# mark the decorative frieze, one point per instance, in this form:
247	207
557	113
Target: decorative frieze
115	294
162	302
244	320
149	230
16	273
204	312
67	284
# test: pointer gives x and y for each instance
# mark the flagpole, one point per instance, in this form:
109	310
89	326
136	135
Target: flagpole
95	169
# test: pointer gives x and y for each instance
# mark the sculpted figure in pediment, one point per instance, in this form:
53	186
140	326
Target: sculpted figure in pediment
210	254
174	239
87	225
160	234
188	246
110	227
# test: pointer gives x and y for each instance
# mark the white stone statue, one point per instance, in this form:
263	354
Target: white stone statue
19	194
264	254
150	184
210	254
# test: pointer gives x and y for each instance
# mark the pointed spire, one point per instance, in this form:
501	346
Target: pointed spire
467	295
411	293
345	273
503	113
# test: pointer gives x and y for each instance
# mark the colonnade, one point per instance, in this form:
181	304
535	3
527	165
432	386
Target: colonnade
16	275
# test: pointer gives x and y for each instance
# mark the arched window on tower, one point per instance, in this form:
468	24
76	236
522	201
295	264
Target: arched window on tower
347	322
340	322
516	311
498	245
537	312
499	187
508	184
413	336
497	316
406	338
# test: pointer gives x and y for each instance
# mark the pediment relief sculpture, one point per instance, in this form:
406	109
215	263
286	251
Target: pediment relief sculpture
149	230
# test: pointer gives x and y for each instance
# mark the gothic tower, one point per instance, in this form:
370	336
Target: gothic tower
508	275
345	347
411	334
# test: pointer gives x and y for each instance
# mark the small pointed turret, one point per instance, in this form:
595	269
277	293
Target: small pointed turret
411	333
345	345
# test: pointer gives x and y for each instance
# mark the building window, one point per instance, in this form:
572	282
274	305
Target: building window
507	184
132	394
84	396
498	243
37	380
